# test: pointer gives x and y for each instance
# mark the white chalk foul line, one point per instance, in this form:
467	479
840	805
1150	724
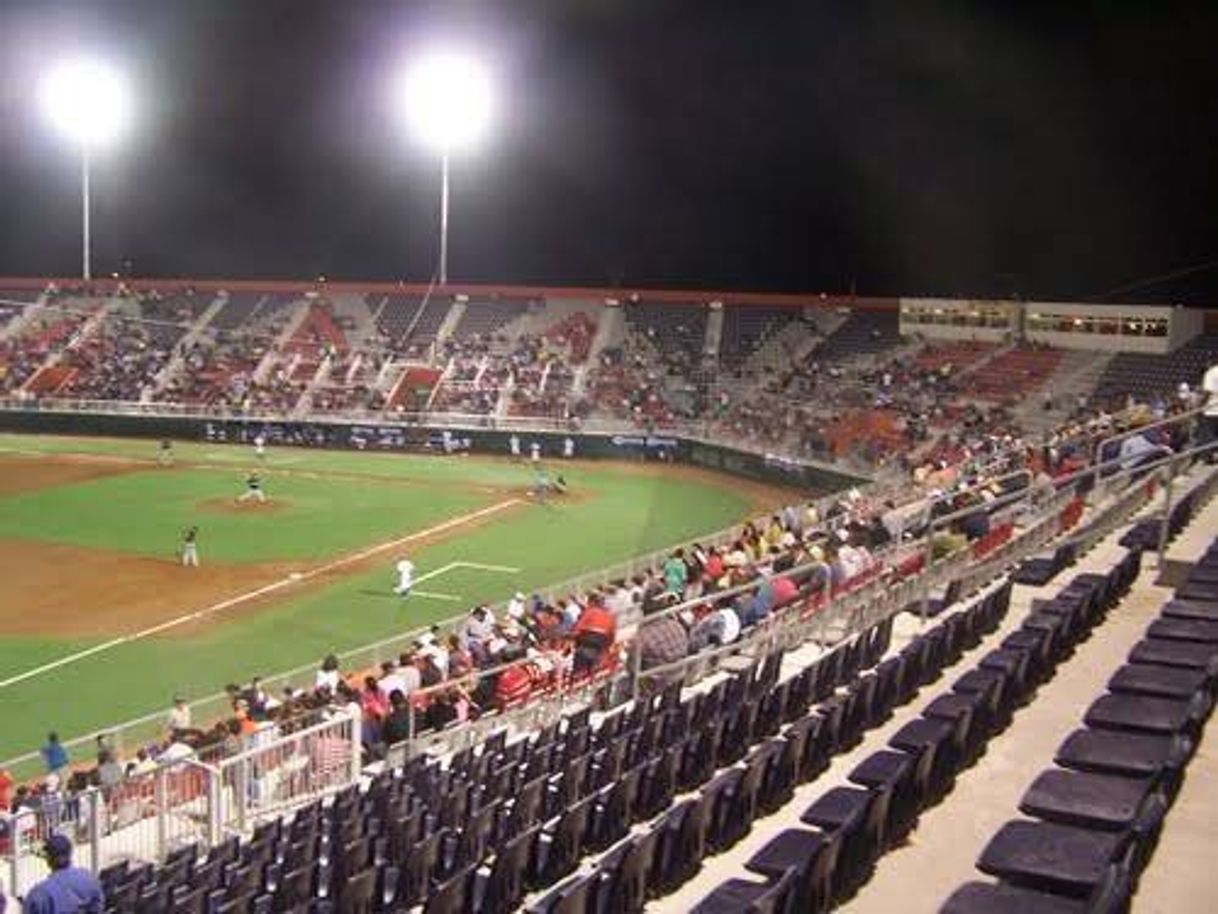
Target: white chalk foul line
295	578
429	595
506	569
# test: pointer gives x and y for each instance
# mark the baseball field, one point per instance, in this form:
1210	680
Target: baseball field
100	623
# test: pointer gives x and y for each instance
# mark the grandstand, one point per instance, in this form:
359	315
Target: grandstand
813	710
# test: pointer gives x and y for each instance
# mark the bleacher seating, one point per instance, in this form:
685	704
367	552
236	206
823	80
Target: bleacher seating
746	327
862	333
1146	374
1096	817
484	318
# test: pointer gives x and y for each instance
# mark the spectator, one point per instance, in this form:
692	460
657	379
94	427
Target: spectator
54	755
397	725
179	716
328	676
675	573
69	889
594	633
662	641
6	790
1209	422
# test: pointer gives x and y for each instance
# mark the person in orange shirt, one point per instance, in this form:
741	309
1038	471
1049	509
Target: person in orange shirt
594	633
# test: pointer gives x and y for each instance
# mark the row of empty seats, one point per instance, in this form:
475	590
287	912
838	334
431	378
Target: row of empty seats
1094	819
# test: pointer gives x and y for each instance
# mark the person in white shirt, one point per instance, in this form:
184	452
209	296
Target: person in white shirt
179	715
514	445
568	447
535	451
1209	422
391	681
515	607
405	569
327	677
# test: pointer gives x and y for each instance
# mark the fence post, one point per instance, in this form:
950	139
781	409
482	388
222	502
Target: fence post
162	804
95	831
11	830
924	608
357	748
1164	517
215	803
241	789
636	664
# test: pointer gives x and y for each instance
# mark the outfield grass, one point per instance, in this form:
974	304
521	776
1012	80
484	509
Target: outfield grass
619	514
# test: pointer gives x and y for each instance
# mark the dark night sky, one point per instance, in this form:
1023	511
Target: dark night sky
1051	150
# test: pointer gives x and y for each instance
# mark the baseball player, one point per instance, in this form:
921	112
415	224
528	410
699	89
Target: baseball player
514	444
568	447
190	547
164	456
253	489
535	451
260	447
405	569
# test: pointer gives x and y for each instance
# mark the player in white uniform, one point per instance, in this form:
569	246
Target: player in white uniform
535	450
405	569
260	447
568	447
190	547
514	444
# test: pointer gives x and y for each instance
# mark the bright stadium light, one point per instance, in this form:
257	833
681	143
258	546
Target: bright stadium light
447	102
90	103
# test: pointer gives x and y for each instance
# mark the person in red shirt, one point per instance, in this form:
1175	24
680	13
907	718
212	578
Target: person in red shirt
784	590
514	685
6	790
594	633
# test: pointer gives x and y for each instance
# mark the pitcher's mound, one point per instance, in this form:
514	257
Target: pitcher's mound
232	506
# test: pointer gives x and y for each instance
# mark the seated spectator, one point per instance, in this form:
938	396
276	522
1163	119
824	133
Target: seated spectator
715	628
594	633
397	726
328	675
662	641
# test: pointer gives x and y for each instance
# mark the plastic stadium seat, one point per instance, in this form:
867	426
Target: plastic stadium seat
858	816
1191	609
1110	896
1184	630
906	777
946	739
1188	654
1158	681
812	854
1140	714
741	895
683	838
1048	857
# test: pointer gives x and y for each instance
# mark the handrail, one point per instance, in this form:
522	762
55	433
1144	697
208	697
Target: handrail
1128	433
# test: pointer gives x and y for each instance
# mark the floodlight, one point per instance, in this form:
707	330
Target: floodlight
88	101
446	100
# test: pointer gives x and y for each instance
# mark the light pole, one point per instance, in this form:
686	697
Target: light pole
445	101
89	102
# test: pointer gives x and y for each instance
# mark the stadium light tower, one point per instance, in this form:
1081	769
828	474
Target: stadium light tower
89	102
446	101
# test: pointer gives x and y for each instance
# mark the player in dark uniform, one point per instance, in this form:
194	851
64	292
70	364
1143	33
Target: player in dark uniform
253	489
165	455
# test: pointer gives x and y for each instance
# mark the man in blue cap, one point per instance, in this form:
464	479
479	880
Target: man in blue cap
69	889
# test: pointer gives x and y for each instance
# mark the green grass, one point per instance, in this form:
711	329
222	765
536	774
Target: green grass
307	519
620	514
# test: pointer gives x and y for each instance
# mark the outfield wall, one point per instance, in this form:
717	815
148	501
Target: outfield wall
814	479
